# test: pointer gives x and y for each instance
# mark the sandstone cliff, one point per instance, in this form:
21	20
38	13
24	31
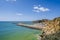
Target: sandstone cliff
50	28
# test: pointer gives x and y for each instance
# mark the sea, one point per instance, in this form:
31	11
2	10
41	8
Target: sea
10	31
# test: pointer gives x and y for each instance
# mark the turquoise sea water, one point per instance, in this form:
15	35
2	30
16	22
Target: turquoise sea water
10	31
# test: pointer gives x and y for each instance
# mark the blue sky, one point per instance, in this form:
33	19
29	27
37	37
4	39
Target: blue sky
28	10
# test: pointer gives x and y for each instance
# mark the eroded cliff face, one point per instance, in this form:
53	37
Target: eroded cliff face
52	30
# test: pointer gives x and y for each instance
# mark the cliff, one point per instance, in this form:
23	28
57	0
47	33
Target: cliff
50	28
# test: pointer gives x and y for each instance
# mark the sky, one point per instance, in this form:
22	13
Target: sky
29	10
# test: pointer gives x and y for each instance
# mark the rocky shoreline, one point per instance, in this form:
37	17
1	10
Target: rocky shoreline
50	28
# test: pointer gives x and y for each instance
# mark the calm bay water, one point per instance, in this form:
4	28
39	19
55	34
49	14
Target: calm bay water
10	31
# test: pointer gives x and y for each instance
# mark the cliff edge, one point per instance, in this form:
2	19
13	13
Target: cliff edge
50	28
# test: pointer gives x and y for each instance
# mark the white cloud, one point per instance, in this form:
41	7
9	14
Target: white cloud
40	9
11	0
19	14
